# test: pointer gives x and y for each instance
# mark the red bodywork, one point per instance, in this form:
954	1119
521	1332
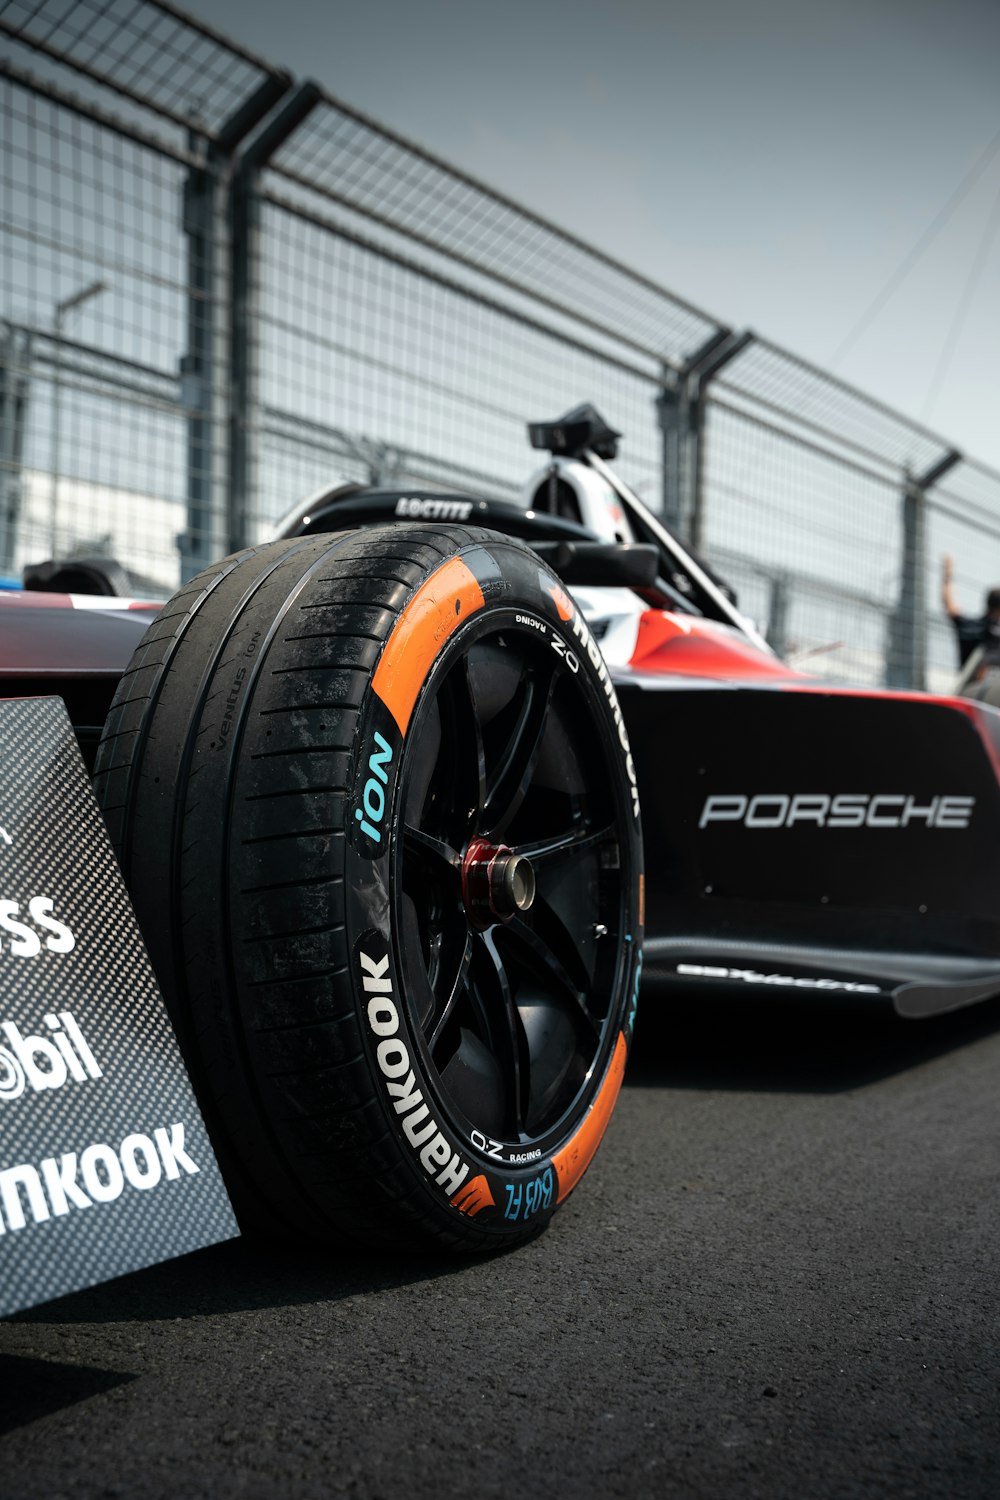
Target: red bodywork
695	647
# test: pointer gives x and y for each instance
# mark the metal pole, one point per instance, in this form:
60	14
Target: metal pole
668	414
778	606
244	235
202	371
680	412
906	656
715	355
205	369
67	304
688	434
54	434
15	385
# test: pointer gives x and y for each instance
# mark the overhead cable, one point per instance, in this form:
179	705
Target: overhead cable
911	258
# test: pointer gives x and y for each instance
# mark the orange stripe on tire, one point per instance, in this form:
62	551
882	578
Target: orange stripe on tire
575	1157
439	606
473	1197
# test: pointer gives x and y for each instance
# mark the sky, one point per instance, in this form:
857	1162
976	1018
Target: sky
773	161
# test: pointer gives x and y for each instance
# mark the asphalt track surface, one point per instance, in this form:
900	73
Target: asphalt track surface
778	1279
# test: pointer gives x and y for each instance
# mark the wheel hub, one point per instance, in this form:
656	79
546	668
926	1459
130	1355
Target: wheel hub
497	883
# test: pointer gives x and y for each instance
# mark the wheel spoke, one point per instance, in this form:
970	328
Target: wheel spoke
468	732
424	771
550	930
500	1014
552	967
576	842
430	851
454	992
506	787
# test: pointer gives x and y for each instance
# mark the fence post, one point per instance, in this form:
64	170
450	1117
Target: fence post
671	416
205	373
202	369
906	656
15	385
700	371
778	603
677	409
680	410
244	234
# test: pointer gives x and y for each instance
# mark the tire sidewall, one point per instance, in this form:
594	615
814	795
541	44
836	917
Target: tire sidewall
458	1174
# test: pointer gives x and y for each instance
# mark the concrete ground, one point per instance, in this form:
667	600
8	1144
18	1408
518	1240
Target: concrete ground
778	1279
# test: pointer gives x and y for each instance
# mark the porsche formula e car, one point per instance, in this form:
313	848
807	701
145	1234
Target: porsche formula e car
380	791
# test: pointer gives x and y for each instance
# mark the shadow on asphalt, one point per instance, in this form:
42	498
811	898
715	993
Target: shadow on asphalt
237	1277
240	1276
34	1388
714	1042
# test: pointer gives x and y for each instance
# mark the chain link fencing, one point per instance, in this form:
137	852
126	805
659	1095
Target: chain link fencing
221	290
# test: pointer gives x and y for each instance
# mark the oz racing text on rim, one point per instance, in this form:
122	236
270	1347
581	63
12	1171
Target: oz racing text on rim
510	891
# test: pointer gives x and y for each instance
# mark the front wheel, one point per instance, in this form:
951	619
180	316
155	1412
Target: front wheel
373	799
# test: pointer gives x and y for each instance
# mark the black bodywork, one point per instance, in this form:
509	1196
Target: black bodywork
897	905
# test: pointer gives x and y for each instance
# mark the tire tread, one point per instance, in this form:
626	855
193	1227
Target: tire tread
334	1171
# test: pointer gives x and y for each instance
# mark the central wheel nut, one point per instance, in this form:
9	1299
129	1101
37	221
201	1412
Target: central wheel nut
497	883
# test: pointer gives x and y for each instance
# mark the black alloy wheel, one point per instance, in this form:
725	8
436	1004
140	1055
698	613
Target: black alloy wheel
511	901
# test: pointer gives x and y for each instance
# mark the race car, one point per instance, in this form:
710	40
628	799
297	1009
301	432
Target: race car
380	789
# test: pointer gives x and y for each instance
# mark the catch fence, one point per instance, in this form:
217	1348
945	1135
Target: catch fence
222	289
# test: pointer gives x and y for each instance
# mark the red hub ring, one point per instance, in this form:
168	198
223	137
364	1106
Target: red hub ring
497	883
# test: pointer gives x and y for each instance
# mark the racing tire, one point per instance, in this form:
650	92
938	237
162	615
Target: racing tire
79	575
372	797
